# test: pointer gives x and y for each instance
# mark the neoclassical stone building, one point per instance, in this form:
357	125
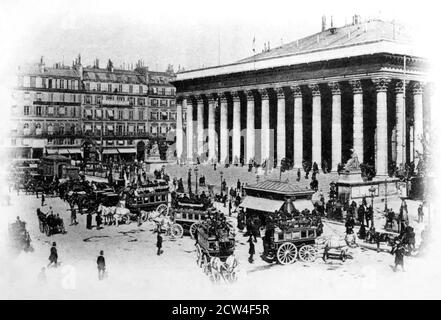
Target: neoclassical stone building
361	87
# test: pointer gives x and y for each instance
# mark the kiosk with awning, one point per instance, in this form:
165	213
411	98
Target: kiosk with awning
270	196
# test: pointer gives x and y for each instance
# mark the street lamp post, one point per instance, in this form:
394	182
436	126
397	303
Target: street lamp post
196	177
221	174
372	191
189	181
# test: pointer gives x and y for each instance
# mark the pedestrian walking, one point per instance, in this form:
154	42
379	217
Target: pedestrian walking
398	251
420	213
159	243
99	221
89	221
101	264
73	216
42	199
298	174
252	250
53	257
229	208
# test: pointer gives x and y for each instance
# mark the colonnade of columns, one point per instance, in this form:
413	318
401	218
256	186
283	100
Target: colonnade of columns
220	99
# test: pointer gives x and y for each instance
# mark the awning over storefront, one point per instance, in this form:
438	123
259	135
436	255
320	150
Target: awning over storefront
127	150
302	204
64	151
119	150
261	204
110	151
88	127
88	112
110	128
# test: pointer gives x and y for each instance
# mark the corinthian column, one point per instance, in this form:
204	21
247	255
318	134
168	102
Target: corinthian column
211	129
251	135
316	124
400	126
418	118
336	125
236	127
189	104
265	128
179	130
358	119
298	126
200	125
381	162
224	129
281	131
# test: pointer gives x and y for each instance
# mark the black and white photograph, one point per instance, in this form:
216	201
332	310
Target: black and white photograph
214	150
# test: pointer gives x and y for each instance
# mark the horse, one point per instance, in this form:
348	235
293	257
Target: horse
339	244
121	213
225	270
107	213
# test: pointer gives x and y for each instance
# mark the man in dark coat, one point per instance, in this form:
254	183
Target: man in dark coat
73	216
98	220
251	251
53	257
42	199
298	174
89	221
399	251
159	243
101	264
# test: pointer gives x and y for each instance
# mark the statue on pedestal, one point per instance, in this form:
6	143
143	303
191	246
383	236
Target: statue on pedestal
353	164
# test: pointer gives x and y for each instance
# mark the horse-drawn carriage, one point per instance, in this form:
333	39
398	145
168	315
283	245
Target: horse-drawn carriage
19	237
149	198
215	251
50	224
189	212
290	243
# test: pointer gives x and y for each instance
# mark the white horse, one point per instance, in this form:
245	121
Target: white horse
225	270
107	213
120	214
340	244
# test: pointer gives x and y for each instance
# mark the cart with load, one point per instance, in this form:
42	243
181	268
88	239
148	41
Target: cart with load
215	244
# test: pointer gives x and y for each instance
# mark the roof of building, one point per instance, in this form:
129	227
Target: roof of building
373	30
364	38
117	75
37	70
276	186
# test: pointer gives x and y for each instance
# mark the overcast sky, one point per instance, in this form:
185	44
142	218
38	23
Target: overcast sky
189	33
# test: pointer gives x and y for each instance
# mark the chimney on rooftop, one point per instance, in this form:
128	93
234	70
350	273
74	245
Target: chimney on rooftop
323	23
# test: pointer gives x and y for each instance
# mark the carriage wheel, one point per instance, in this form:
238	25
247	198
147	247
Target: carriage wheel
177	231
199	256
307	253
162	210
287	253
193	229
343	256
205	264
